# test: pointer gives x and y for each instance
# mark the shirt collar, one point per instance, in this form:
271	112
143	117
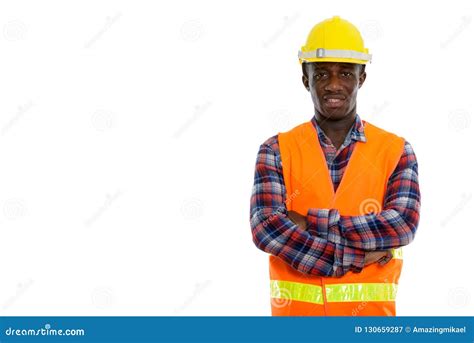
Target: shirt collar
356	132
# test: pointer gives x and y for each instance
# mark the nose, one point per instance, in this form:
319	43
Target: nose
333	84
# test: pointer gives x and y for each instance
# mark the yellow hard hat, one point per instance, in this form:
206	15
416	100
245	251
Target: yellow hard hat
334	40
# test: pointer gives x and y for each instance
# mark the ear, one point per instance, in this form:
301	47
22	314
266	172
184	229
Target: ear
304	78
362	78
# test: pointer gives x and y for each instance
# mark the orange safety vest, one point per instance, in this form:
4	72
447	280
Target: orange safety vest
361	191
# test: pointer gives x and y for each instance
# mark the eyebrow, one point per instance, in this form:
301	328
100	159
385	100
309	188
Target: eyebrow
344	65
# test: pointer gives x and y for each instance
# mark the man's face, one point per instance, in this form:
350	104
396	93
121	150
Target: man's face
333	87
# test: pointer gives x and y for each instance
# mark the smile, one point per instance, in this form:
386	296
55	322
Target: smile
333	102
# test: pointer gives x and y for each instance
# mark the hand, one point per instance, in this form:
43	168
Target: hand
382	257
298	219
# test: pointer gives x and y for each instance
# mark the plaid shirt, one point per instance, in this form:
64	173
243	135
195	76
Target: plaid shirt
333	244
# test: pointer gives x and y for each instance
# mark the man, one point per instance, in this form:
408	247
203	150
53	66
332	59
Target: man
335	198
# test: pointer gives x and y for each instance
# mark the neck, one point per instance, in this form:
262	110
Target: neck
336	130
336	127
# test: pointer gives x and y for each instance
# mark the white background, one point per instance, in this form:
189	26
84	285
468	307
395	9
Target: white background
129	132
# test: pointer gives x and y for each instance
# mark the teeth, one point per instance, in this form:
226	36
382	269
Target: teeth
334	100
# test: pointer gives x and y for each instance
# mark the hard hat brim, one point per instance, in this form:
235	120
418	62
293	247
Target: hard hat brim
333	59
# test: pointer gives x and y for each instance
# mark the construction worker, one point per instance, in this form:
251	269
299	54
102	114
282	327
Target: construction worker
335	198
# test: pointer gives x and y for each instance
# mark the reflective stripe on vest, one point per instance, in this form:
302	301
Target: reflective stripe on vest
334	292
361	292
296	291
397	253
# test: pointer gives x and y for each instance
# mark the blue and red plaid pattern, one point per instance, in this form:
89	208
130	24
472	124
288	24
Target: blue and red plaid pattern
333	244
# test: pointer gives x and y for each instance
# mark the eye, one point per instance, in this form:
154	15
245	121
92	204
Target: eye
347	74
319	75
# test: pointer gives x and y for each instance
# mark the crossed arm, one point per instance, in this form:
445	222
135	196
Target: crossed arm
323	242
